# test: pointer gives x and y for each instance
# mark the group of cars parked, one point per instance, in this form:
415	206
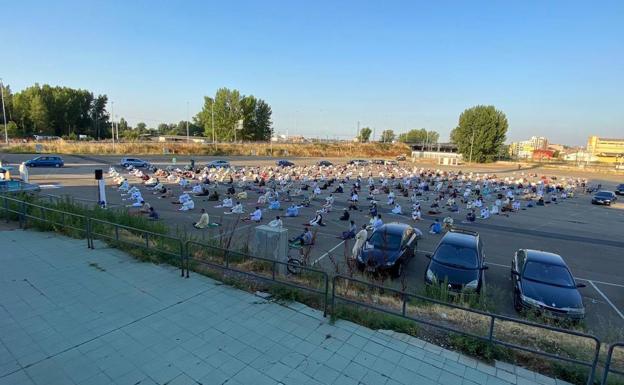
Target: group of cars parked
542	281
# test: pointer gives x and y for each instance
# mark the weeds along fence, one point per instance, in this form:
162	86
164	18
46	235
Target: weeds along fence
351	298
269	274
572	347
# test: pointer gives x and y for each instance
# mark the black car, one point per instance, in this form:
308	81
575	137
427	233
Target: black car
325	163
603	198
458	261
284	163
389	248
543	282
619	190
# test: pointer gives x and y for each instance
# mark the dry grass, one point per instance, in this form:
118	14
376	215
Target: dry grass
345	149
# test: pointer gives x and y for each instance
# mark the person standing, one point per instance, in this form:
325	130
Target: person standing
360	239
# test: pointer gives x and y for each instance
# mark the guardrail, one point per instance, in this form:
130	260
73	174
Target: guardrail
311	280
404	299
269	270
607	368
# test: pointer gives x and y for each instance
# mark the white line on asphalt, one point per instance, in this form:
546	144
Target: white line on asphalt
507	267
327	253
579	278
606	299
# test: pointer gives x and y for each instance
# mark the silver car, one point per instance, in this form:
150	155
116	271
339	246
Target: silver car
125	162
218	164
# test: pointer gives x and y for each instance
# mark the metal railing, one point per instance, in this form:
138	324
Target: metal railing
170	247
608	363
492	320
269	270
311	280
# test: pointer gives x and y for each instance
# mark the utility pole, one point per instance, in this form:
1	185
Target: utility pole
212	121
188	139
471	144
113	122
6	133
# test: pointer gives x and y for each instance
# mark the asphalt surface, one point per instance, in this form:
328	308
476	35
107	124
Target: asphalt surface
590	238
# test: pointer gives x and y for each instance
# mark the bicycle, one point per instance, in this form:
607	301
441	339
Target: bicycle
295	264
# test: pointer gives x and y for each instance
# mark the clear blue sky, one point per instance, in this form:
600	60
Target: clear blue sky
556	68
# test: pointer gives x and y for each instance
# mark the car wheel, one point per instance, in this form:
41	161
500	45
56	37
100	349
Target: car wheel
125	164
397	270
516	302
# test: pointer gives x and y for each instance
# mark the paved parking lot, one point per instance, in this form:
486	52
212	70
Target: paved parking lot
588	237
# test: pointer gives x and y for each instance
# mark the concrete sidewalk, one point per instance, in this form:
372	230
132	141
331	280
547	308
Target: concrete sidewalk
70	315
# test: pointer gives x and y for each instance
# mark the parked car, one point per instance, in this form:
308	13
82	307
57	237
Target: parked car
284	163
358	162
46	161
389	248
377	161
603	198
619	190
458	260
391	163
542	282
400	157
218	164
325	163
125	162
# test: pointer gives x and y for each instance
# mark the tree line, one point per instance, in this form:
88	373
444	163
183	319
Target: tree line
411	136
68	112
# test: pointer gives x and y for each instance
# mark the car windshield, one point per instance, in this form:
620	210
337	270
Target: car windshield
385	241
549	274
604	194
456	256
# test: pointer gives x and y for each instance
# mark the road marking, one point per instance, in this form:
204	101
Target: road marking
327	253
607	299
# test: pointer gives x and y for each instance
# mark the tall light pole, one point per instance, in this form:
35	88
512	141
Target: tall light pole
6	133
113	122
188	138
212	121
471	144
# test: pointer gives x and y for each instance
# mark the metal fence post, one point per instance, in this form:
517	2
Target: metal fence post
491	332
6	208
333	296
23	216
88	231
273	269
182	255
326	294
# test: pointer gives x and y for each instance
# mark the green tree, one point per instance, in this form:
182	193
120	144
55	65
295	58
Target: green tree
419	136
387	136
365	134
480	133
228	107
141	127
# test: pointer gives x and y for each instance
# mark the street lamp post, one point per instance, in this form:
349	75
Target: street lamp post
471	144
188	139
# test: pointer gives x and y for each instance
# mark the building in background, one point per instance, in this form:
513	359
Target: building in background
606	149
525	148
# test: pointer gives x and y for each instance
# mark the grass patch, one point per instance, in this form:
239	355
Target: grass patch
350	149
